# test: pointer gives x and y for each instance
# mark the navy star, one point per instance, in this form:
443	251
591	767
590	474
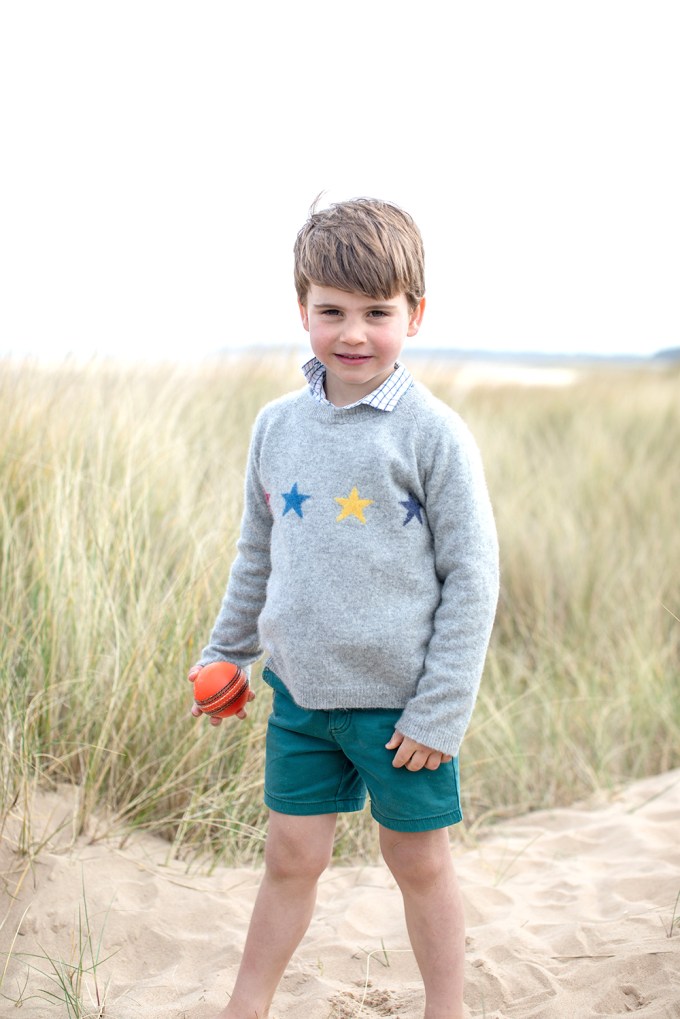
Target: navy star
294	500
413	509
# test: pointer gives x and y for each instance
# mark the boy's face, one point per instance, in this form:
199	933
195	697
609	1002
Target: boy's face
357	338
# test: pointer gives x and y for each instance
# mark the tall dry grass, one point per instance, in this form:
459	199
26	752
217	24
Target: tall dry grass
120	496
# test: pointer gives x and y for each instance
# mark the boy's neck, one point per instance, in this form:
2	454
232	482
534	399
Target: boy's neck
342	394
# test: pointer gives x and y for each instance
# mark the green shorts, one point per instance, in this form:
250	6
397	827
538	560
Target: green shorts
323	762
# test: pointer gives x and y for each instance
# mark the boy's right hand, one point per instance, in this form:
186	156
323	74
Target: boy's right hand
196	711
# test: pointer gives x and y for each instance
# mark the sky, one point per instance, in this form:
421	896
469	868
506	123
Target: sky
158	158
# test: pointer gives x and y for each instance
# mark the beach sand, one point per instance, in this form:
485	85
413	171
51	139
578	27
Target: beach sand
570	914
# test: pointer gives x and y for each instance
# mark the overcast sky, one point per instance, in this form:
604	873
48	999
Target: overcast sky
158	158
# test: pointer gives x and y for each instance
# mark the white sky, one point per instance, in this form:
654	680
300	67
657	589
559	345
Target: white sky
158	158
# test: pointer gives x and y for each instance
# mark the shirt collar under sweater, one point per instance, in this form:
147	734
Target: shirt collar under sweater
385	397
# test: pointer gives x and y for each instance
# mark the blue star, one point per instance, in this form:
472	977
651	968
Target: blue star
294	500
413	509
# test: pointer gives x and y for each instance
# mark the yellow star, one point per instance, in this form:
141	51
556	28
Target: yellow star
353	506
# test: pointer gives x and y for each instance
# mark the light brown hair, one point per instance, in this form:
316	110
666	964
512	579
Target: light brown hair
365	246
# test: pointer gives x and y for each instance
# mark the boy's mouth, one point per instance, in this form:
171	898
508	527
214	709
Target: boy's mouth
353	357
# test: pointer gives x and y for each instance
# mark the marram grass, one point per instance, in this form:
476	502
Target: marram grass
120	498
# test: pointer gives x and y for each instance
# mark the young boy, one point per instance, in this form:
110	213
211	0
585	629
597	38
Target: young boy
367	567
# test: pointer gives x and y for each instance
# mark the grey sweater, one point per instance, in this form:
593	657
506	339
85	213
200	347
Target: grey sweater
367	564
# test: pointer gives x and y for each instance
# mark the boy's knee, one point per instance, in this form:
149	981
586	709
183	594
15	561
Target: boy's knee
295	855
289	862
414	860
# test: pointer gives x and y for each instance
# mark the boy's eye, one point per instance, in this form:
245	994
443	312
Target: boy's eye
330	311
377	313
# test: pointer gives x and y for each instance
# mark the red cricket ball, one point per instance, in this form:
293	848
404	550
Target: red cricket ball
221	689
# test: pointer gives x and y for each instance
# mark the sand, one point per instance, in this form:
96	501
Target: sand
570	914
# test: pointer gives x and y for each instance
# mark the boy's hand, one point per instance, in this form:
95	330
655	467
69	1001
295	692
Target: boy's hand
413	756
196	711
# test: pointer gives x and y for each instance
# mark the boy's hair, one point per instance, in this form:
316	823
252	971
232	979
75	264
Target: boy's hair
365	246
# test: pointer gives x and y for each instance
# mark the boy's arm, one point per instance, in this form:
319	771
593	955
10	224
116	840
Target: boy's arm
234	635
459	513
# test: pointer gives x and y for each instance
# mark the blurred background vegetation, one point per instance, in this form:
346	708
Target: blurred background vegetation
120	501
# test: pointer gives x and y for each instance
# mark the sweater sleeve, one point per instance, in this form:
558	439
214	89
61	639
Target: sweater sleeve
466	561
234	635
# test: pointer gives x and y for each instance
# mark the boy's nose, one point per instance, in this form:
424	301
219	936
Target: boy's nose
352	334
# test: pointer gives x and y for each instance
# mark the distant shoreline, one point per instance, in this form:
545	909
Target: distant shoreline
452	356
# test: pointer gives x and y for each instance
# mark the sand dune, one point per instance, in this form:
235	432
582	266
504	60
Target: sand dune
570	914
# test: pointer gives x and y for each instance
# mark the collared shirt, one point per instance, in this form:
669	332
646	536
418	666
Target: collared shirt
385	397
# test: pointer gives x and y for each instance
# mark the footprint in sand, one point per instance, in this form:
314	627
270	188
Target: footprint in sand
374	1002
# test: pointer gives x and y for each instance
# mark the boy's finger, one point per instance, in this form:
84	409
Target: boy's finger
193	672
403	757
418	761
396	740
243	713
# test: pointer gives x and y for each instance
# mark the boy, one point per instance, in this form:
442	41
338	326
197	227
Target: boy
367	567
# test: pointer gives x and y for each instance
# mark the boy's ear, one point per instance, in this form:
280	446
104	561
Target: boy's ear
303	315
416	318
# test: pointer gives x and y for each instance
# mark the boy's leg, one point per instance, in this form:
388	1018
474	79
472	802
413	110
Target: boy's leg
298	850
422	867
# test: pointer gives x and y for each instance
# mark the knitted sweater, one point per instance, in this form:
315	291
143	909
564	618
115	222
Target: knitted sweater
367	563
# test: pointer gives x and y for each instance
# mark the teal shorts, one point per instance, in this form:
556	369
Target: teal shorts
324	762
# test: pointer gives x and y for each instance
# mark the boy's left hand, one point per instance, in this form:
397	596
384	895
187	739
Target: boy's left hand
413	756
